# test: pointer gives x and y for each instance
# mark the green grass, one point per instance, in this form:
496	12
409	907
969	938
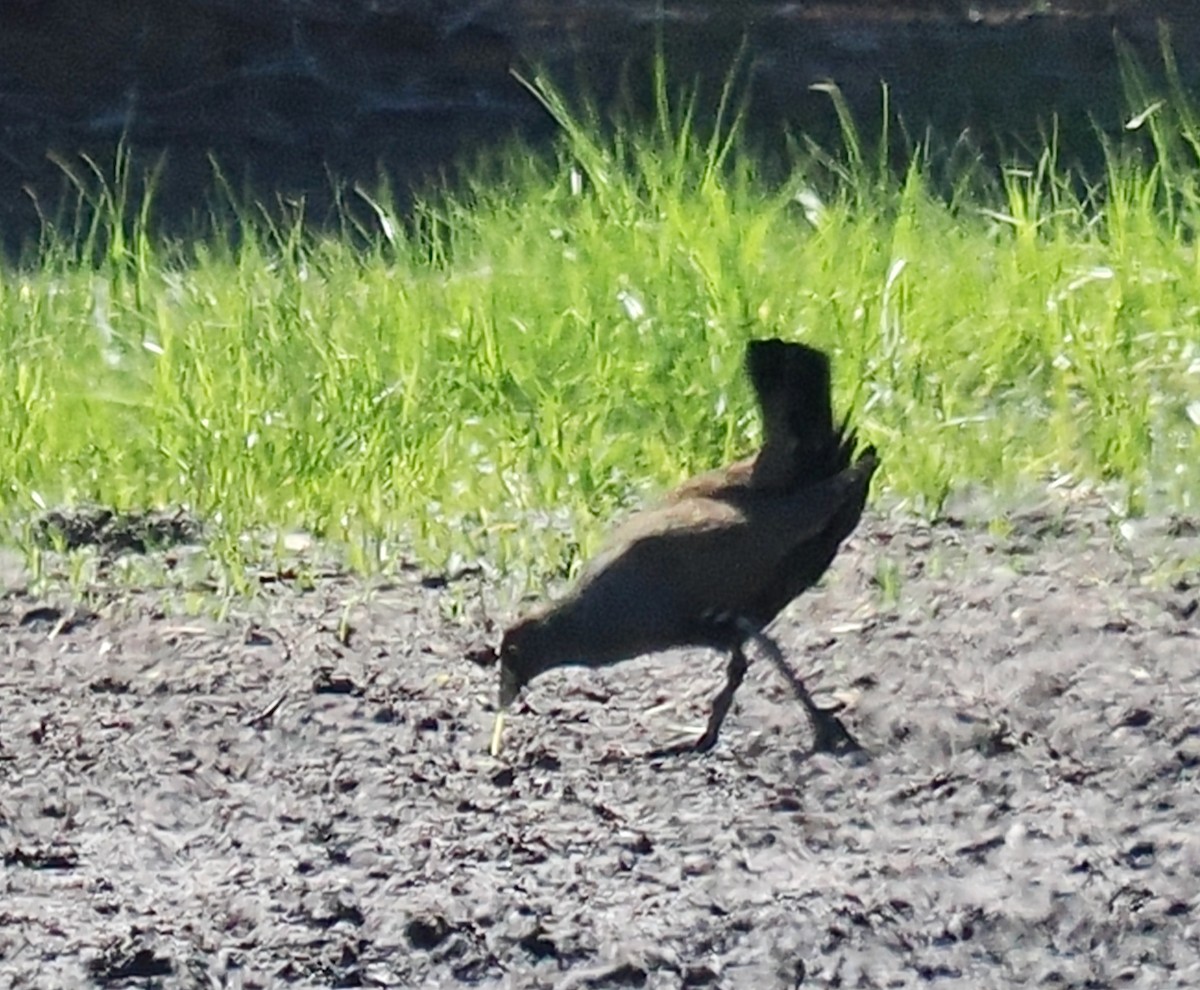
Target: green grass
499	373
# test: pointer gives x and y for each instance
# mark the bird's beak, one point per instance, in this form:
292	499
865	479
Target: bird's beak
510	686
497	734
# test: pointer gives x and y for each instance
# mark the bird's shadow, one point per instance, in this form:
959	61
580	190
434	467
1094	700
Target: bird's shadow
678	755
832	737
846	747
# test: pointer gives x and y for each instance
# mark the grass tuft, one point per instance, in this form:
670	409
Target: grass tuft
496	374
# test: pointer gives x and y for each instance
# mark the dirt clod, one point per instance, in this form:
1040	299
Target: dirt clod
113	533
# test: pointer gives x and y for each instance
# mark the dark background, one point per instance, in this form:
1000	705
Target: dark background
292	96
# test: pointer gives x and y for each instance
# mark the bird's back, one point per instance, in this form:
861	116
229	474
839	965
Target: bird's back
746	554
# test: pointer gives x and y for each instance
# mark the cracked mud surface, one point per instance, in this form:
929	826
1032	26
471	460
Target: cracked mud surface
282	798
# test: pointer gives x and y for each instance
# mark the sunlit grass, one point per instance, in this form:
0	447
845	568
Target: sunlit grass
499	373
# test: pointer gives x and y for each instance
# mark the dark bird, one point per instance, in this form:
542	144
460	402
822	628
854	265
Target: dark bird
721	555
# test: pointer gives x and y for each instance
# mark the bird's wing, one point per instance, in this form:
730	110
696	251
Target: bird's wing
719	553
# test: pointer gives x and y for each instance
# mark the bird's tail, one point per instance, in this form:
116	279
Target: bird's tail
801	445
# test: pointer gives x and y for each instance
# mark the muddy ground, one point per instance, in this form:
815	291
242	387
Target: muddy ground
298	794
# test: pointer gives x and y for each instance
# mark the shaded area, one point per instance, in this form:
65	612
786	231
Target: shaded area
295	96
300	794
113	533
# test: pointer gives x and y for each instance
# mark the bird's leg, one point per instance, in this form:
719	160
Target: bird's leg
830	735
735	672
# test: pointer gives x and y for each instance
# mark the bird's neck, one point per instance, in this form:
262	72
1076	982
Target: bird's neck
556	638
570	635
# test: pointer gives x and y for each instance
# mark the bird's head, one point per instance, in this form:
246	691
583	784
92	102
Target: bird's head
529	648
516	655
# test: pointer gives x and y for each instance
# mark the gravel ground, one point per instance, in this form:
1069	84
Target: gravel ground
299	794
